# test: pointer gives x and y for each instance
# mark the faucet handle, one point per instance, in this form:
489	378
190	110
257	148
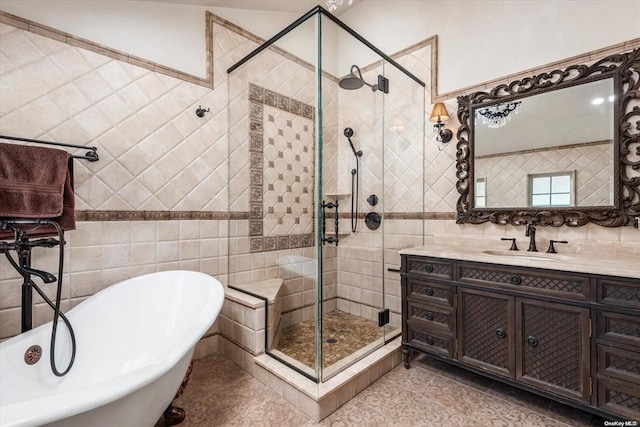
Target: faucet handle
552	249
514	247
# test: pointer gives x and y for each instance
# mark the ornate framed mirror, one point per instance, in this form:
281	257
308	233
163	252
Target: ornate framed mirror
558	148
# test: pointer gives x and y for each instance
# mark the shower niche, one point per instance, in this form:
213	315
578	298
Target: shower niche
291	101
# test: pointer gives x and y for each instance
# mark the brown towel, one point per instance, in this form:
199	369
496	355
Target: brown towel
36	182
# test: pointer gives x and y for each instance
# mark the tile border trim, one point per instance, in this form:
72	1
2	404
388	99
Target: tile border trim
159	215
97	215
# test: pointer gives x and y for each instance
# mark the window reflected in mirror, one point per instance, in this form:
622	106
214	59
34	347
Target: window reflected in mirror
481	192
554	189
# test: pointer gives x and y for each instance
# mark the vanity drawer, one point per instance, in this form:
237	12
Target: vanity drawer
430	342
619	398
622	293
429	267
560	284
431	317
427	291
617	363
620	328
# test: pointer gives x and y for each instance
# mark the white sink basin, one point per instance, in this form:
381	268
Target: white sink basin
530	256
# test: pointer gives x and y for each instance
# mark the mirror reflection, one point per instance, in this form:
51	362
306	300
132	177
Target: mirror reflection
554	149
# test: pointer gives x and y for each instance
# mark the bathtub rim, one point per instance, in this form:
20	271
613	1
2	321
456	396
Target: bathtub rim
60	405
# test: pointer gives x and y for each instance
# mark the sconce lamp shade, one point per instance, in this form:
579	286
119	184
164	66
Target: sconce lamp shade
439	113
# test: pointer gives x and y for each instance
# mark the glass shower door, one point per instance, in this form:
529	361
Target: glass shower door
352	178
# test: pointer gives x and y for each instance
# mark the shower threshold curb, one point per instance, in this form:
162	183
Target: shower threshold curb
320	400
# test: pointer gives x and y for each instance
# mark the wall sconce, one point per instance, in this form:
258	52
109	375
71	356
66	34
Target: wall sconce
200	111
438	115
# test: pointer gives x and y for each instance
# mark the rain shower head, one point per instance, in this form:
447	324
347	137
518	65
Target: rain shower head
354	81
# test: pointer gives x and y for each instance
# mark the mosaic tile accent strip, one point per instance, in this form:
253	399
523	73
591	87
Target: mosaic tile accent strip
281	168
407	215
158	215
255	226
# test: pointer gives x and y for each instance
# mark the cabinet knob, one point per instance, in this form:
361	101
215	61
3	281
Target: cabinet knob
429	315
430	341
532	341
428	268
501	333
516	280
429	291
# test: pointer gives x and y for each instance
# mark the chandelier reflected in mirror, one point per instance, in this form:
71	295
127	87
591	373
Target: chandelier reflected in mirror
332	5
498	115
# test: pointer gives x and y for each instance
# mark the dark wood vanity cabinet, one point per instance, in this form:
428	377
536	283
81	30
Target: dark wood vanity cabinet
552	348
569	336
617	340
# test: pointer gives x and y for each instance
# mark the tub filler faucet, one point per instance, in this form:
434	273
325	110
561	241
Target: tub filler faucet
530	232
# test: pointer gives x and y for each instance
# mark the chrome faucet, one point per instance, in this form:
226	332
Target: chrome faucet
530	232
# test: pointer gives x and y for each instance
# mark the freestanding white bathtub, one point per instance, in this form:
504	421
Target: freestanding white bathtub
134	340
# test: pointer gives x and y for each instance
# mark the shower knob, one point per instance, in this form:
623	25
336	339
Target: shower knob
372	220
348	132
372	200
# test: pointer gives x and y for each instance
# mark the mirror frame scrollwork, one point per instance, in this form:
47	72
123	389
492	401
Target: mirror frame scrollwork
625	71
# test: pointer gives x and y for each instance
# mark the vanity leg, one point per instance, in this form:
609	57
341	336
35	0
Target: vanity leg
405	356
174	415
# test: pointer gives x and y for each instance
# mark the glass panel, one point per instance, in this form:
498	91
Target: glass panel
561	184
480	188
272	167
541	185
352	129
404	123
540	200
561	199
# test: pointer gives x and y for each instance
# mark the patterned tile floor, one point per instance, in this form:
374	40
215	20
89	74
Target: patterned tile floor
351	333
431	393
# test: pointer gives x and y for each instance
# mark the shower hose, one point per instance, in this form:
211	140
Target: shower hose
55	307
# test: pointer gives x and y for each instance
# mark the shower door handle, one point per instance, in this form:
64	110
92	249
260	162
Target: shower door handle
325	239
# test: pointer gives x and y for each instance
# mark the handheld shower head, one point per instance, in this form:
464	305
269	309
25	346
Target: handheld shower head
348	132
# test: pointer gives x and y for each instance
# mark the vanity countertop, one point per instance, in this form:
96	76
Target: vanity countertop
621	266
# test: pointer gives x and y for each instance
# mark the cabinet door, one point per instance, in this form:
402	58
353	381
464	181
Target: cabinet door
486	331
552	348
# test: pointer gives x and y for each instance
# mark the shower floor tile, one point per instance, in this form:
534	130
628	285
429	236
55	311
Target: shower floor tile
343	335
220	393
